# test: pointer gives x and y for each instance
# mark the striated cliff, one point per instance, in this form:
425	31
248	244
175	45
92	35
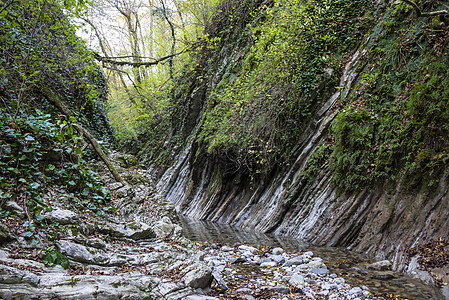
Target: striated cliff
366	169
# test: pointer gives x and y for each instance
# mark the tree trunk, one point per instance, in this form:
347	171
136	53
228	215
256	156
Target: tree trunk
54	99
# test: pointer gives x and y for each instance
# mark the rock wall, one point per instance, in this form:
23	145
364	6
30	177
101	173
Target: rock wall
382	222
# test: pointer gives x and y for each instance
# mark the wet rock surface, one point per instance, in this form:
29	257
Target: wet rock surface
140	252
293	277
348	267
137	252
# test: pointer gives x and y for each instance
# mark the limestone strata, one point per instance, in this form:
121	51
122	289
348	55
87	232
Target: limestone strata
380	222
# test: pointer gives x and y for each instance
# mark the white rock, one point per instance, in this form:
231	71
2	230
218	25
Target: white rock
62	216
269	264
380	265
308	253
227	249
297	260
277	251
200	276
82	253
296	279
244	248
339	280
414	271
356	291
163	228
317	264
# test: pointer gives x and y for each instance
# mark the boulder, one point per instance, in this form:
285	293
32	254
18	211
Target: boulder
164	228
14	208
134	230
62	216
263	260
140	230
82	253
318	264
308	254
297	260
356	291
296	279
269	264
380	265
198	276
319	271
237	260
277	258
277	251
227	249
244	248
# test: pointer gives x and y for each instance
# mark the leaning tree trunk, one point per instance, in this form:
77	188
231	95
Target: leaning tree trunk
56	101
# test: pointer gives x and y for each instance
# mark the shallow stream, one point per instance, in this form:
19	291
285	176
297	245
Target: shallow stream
347	264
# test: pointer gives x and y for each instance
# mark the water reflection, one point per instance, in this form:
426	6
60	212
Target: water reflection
349	265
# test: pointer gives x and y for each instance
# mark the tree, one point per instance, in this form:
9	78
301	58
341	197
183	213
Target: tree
142	45
420	13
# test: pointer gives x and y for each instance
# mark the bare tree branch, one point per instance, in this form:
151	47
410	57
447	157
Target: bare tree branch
135	64
6	6
137	88
97	34
420	13
172	29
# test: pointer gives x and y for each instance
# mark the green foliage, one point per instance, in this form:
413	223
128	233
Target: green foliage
39	48
53	256
394	123
144	119
42	156
255	113
354	131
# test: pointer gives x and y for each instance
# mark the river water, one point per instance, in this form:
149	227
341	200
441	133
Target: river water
347	264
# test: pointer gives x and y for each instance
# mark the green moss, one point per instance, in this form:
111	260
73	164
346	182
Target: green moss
256	112
319	161
394	124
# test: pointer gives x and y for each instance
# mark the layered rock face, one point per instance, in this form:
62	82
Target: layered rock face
383	222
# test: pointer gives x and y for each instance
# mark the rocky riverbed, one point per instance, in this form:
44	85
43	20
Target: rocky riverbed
140	252
246	272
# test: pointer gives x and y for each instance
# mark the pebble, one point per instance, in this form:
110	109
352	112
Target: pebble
244	248
283	274
268	264
227	249
277	258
